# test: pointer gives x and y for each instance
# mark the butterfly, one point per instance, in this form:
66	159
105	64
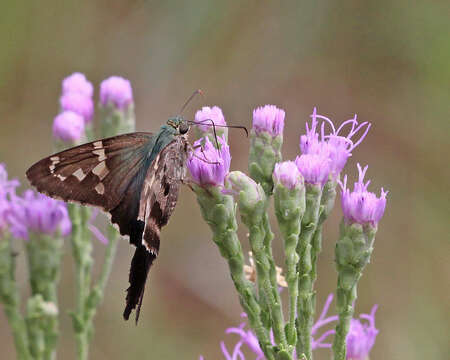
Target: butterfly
134	177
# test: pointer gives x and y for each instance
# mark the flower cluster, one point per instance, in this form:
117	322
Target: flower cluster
77	108
38	213
31	212
301	211
327	154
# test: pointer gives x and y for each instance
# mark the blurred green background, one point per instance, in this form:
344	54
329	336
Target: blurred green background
387	61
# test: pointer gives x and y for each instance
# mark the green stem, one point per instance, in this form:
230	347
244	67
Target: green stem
97	293
9	296
276	311
306	299
44	260
289	209
353	250
219	212
82	254
327	203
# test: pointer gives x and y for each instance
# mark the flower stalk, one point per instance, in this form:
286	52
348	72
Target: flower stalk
252	204
10	298
353	251
219	211
306	299
44	262
289	198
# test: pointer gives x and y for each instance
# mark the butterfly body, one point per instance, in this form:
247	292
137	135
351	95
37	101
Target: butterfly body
134	177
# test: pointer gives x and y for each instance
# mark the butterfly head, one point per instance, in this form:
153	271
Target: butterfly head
180	125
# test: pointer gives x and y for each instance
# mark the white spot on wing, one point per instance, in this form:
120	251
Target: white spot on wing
54	160
60	177
98	144
79	174
100	188
100	153
100	170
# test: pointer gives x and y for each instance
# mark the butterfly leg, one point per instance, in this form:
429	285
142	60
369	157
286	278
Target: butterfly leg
204	159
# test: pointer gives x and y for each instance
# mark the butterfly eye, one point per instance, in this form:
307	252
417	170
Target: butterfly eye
183	128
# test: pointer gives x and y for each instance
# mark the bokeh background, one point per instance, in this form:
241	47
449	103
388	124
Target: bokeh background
387	61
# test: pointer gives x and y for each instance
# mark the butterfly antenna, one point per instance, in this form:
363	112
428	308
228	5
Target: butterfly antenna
215	125
196	92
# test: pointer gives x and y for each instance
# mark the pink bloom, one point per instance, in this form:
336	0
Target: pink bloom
287	174
7	191
315	168
37	213
334	145
207	115
208	165
361	337
77	83
68	126
78	103
268	119
361	206
117	91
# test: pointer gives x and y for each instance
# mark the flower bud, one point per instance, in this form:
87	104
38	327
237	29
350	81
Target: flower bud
77	83
268	119
116	91
68	126
78	103
287	174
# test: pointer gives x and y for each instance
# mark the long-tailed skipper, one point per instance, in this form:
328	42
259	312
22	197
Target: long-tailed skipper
134	177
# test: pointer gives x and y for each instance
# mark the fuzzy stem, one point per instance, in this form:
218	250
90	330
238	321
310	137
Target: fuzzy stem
97	293
306	300
289	209
254	216
10	298
327	203
219	211
44	260
81	251
275	305
353	250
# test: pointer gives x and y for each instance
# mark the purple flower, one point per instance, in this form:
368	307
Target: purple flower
361	206
68	126
287	174
7	190
268	119
208	165
335	146
37	213
209	113
315	168
117	91
77	83
361	337
78	103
